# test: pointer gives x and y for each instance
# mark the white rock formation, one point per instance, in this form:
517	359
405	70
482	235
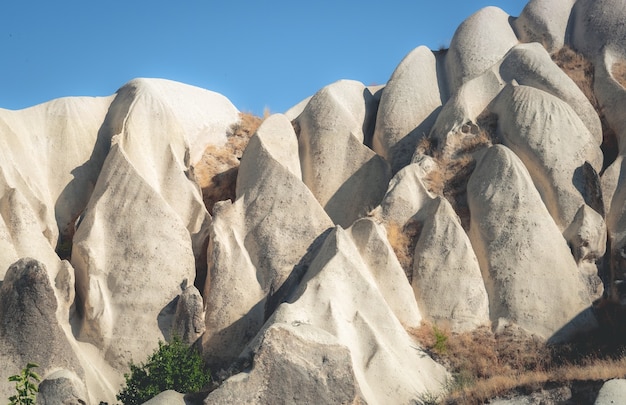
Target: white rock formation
349	298
598	25
408	107
259	242
545	22
331	130
447	281
479	42
529	273
552	142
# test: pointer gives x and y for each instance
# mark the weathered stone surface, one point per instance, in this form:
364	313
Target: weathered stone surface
29	330
553	143
530	275
544	21
405	196
293	363
478	43
346	177
531	65
258	243
408	108
169	397
447	281
62	388
611	93
597	25
189	322
63	138
612	392
351	308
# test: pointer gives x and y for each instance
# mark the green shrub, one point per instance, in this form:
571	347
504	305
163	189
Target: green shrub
26	389
441	341
173	366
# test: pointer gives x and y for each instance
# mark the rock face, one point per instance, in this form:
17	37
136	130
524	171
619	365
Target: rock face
505	180
408	107
258	243
530	275
352	304
29	329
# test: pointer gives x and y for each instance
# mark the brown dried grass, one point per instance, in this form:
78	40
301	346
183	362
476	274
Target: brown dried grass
618	70
403	240
216	172
486	365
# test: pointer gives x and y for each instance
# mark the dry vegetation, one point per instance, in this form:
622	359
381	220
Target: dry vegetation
618	70
456	163
581	71
485	365
216	172
403	240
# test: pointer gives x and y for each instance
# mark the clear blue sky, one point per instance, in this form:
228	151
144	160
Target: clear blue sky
258	54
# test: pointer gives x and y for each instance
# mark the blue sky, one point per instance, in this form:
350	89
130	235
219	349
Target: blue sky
258	54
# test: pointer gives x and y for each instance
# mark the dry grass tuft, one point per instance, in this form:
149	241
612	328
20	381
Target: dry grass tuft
216	172
403	240
457	162
618	70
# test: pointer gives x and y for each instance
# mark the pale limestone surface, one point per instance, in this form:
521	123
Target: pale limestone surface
124	286
405	196
552	142
531	65
529	273
447	281
616	220
408	107
332	130
479	42
545	22
612	392
259	242
611	93
598	25
350	298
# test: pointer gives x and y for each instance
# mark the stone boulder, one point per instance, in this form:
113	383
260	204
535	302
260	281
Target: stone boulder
62	387
189	322
408	107
531	65
612	392
529	273
598	25
29	329
545	22
447	280
346	177
296	364
478	43
611	92
260	244
554	144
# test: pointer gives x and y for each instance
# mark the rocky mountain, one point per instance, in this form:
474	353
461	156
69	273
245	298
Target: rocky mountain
480	189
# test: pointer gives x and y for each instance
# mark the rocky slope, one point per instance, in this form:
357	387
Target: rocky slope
480	187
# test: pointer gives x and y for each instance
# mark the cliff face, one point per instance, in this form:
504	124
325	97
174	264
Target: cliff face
477	189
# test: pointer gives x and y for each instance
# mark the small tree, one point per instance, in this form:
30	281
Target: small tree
173	366
26	389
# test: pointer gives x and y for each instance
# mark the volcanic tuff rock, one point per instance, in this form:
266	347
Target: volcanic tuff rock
505	180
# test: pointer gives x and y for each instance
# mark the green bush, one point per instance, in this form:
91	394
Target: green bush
173	366
26	389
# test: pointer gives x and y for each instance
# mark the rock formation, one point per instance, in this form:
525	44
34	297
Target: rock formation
482	188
